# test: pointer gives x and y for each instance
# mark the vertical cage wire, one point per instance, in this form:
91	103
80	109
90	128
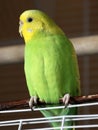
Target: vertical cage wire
20	123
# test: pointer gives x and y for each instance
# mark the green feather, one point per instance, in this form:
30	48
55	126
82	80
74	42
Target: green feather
51	69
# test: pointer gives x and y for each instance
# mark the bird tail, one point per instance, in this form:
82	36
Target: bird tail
61	112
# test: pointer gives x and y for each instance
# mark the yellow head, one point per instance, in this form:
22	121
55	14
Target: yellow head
33	22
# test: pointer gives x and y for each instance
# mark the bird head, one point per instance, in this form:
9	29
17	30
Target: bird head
30	23
34	22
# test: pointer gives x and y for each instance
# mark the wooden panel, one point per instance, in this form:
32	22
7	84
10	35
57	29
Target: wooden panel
9	13
77	17
12	82
69	15
93	17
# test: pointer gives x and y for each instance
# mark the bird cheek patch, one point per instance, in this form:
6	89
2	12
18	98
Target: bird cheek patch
29	30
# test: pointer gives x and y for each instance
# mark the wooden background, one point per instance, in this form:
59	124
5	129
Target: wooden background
77	18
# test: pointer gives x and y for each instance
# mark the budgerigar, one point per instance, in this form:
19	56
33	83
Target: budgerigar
50	63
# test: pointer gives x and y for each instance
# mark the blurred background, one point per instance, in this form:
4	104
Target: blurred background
78	19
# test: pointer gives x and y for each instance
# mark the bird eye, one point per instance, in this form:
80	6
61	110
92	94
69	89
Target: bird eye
29	19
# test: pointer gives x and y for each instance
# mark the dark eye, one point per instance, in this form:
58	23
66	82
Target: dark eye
30	19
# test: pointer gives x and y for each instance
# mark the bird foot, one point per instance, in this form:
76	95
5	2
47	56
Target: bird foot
32	101
66	99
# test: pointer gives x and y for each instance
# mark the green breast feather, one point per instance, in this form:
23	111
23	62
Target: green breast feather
51	71
51	68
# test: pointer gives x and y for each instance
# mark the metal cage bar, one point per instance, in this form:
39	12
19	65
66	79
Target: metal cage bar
22	122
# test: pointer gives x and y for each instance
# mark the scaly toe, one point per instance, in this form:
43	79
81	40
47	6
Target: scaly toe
65	99
32	101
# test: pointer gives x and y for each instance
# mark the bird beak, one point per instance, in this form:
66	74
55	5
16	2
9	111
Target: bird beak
20	28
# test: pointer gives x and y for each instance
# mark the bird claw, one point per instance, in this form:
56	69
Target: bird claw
66	99
32	101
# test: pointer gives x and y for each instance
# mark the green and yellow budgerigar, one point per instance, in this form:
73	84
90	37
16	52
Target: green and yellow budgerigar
50	63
